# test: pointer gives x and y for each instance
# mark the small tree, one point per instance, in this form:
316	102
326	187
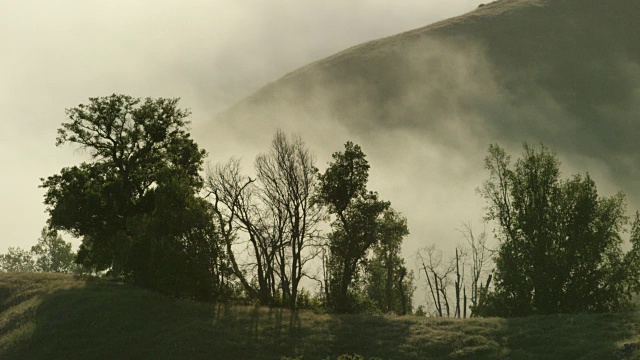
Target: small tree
17	260
387	282
439	276
52	253
479	257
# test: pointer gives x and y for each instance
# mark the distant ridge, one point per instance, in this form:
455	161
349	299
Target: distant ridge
562	72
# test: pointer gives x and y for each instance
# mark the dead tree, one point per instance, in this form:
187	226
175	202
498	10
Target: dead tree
287	183
430	262
236	210
480	256
274	214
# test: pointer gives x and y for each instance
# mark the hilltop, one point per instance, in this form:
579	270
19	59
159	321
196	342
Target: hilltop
50	316
562	72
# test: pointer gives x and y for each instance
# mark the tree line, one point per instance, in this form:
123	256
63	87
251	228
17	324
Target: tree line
559	246
146	212
50	254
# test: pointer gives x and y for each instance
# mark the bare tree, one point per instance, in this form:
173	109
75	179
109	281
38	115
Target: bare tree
442	275
287	179
460	261
480	256
275	214
229	190
438	275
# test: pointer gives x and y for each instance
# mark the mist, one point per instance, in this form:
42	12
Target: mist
210	54
424	111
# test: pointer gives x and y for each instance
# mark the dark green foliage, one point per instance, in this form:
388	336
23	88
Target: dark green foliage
84	200
361	222
345	180
176	248
387	283
343	190
135	205
560	243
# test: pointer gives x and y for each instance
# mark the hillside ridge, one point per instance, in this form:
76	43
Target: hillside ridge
54	316
494	8
562	72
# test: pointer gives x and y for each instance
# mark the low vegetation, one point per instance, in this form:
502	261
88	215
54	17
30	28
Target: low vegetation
54	316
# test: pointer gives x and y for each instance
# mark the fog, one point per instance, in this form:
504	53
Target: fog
425	148
56	54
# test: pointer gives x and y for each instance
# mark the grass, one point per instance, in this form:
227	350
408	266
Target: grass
49	316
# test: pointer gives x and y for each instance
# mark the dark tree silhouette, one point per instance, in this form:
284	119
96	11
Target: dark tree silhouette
140	150
275	213
387	283
343	190
560	243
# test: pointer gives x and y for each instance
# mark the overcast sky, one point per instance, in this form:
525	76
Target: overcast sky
56	54
211	54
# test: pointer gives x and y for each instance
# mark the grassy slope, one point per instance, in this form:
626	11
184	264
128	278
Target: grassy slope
47	316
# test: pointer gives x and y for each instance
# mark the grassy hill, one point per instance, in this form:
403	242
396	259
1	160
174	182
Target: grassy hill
48	316
562	72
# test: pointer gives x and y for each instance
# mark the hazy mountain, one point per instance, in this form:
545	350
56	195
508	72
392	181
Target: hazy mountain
426	103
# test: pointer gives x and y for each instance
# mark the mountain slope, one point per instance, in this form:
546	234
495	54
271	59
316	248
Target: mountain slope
562	72
47	316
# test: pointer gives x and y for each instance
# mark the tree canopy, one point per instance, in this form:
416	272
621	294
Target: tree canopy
559	241
143	158
359	223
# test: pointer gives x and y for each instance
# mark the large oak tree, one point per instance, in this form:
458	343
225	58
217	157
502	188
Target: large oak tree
137	147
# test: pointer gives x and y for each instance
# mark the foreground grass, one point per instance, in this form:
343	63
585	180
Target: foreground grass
47	316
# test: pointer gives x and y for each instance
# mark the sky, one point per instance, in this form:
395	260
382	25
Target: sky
211	54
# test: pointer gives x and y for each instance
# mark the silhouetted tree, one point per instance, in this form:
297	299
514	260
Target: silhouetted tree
439	276
177	248
274	213
560	243
287	178
234	199
479	257
387	282
355	227
135	146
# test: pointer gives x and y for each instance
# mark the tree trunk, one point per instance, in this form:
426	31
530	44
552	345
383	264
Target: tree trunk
438	305
403	298
464	290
